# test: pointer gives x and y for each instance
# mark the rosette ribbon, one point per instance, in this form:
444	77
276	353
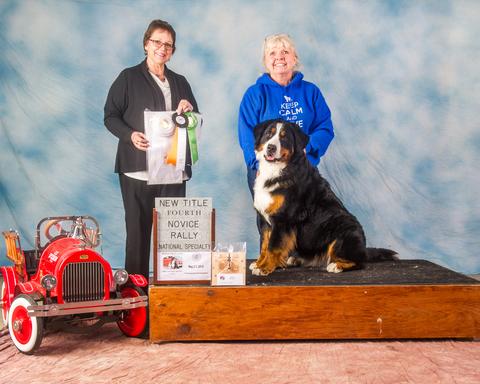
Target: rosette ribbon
186	124
192	135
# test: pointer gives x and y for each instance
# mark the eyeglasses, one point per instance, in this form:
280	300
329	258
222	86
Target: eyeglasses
160	44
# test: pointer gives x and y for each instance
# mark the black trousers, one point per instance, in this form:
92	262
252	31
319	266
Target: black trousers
139	201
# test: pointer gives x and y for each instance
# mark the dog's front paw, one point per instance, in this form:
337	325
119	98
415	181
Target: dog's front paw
253	266
259	272
334	268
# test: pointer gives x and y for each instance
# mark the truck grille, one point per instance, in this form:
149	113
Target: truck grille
83	282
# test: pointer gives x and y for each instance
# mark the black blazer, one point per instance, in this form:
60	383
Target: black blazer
133	91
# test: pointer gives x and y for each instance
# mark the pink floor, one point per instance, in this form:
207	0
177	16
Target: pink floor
106	356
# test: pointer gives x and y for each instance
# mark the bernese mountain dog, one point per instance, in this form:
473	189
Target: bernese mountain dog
303	223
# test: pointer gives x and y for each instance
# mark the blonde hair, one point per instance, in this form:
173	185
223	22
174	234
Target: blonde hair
279	40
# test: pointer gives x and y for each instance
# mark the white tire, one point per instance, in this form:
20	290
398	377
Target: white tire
26	332
3	292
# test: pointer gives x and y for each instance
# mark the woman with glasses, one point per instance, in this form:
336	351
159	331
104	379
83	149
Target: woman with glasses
150	85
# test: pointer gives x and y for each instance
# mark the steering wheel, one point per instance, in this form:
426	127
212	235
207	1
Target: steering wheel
58	227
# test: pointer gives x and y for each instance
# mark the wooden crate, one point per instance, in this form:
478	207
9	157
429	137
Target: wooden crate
405	299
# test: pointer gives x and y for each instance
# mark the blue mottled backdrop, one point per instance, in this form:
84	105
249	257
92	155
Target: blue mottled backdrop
401	78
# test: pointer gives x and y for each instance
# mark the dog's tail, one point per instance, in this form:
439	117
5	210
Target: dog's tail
380	254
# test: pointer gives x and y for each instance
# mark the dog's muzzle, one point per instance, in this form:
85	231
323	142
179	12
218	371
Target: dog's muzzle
271	150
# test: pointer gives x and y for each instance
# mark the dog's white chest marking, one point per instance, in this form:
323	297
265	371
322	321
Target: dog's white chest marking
262	201
267	170
263	198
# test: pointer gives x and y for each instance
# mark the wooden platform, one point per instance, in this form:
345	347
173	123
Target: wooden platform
401	299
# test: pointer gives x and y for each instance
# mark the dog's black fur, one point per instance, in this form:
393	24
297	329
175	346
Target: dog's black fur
303	221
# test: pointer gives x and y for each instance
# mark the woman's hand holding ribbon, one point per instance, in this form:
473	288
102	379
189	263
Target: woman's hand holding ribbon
184	106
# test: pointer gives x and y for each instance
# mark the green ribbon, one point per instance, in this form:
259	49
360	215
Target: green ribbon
192	135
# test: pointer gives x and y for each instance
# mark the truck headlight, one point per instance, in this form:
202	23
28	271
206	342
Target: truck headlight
121	276
49	282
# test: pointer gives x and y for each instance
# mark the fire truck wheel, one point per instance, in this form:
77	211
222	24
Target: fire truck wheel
3	292
26	332
133	322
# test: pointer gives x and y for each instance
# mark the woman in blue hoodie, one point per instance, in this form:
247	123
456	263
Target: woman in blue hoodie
282	93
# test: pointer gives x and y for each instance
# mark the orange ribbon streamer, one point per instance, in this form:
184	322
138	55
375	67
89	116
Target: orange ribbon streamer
172	153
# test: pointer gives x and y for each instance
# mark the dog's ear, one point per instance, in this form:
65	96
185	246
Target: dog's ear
301	139
259	129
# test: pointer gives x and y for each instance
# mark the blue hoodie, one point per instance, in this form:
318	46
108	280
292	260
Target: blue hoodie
300	102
